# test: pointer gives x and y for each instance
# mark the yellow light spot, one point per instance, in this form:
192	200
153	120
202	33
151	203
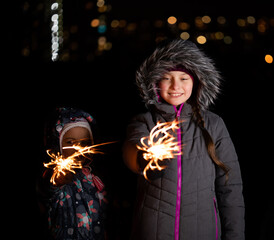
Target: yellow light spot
227	40
102	9
95	22
198	22
206	19
241	22
185	35
158	23
251	20
172	20
201	39
115	23
268	58
100	3
184	26
219	35
122	23
102	40
221	20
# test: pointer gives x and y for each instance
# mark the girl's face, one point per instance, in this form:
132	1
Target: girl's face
176	87
75	136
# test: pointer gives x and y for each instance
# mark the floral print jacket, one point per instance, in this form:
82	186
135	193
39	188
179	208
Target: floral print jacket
76	210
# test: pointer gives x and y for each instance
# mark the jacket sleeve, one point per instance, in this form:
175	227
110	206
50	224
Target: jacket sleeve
135	131
229	191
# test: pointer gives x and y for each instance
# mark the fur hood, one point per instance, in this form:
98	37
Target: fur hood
179	53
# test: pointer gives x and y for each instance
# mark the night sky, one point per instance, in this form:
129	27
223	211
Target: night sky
102	83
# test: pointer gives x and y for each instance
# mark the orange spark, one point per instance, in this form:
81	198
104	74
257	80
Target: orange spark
60	164
161	144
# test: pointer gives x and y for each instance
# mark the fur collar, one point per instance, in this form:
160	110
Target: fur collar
179	52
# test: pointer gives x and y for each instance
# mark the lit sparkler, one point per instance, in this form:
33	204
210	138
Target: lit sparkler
161	144
60	164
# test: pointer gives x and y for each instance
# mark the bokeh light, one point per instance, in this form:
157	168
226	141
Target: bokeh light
206	19
172	20
184	35
95	23
268	58
201	39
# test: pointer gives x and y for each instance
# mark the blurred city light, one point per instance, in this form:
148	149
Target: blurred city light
172	20
206	19
227	40
95	23
241	22
184	26
221	20
251	20
268	58
56	29
201	39
184	35
69	38
198	22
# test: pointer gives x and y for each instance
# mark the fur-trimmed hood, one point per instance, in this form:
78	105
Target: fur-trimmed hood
179	53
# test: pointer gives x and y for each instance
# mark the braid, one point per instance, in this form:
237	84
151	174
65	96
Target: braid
208	140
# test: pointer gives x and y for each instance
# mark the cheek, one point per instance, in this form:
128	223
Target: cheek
188	89
163	86
68	152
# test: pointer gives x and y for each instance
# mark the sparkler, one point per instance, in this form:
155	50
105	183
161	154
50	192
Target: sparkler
161	144
60	164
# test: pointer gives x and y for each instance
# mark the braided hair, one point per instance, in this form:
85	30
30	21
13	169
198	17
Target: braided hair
201	124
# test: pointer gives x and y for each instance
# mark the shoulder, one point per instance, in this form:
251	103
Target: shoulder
215	124
139	125
142	116
211	119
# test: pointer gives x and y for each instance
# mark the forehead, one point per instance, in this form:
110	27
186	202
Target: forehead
77	133
177	73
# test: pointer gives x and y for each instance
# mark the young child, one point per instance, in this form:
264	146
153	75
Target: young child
198	195
76	203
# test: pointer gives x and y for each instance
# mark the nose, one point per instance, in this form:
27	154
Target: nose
175	84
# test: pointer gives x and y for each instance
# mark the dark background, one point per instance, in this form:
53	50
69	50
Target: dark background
102	83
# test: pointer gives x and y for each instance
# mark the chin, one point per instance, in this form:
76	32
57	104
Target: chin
176	103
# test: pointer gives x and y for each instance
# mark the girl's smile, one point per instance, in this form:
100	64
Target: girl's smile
175	95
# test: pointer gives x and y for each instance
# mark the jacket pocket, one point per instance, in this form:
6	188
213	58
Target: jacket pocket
216	217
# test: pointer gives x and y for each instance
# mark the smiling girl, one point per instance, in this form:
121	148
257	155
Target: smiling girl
199	193
176	87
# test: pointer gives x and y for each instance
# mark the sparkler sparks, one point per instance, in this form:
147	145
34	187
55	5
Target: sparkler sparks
62	165
161	144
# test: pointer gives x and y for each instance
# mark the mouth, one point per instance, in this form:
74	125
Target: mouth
175	94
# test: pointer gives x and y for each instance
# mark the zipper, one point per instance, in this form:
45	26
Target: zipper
179	176
216	217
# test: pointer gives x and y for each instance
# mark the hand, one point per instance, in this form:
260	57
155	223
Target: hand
61	180
151	174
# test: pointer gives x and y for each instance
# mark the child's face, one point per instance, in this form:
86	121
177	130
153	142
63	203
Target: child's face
75	136
176	87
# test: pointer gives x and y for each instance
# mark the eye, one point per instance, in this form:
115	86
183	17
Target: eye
85	142
70	142
165	78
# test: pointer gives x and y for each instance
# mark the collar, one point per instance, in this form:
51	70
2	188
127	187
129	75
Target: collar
168	112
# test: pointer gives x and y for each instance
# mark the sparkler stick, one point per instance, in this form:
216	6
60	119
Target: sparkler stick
60	164
161	144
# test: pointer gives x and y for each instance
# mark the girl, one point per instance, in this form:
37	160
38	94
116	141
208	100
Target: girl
198	196
76	202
